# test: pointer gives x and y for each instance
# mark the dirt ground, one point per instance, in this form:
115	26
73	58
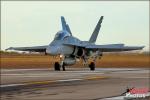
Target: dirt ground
46	61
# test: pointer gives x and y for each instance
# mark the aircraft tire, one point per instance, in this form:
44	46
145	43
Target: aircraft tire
57	66
63	67
92	66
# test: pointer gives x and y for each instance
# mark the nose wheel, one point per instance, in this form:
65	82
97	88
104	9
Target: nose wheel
92	66
57	66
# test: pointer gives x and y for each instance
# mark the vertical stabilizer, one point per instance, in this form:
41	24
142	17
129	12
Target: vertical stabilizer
68	29
65	26
96	31
63	22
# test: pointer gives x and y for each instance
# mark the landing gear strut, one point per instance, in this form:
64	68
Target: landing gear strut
63	67
92	66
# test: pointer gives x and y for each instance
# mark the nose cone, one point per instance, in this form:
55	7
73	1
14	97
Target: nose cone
52	50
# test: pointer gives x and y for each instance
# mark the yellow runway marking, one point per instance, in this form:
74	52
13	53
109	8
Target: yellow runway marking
96	77
56	81
39	82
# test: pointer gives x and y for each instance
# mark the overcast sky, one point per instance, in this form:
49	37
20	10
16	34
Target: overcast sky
33	23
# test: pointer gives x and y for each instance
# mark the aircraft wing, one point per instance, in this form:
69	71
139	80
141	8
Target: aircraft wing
92	46
114	48
33	49
106	48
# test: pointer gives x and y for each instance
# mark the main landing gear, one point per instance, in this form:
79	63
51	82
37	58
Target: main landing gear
58	66
92	66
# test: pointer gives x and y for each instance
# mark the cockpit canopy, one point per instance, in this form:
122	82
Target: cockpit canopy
60	35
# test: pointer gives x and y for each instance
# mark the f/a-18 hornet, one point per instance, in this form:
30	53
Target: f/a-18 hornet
70	49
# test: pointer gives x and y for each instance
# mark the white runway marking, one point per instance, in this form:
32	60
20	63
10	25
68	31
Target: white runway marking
12	74
25	69
11	85
134	77
69	80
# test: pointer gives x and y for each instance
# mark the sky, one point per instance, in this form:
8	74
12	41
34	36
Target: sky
35	23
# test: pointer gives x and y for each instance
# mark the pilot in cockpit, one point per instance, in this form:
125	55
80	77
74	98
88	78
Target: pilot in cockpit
60	35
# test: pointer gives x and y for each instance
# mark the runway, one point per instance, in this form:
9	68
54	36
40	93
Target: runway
75	83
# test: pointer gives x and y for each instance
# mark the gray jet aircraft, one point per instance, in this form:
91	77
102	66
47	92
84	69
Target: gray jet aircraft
70	49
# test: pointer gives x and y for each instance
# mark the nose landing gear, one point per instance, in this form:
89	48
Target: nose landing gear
58	66
63	67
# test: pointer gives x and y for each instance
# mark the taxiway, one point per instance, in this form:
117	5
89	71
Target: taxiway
75	83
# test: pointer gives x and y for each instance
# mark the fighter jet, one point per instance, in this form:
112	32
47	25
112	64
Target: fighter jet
70	49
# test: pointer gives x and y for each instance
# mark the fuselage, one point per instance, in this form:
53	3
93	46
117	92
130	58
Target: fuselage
57	46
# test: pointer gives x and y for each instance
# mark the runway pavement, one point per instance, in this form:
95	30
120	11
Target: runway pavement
75	83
